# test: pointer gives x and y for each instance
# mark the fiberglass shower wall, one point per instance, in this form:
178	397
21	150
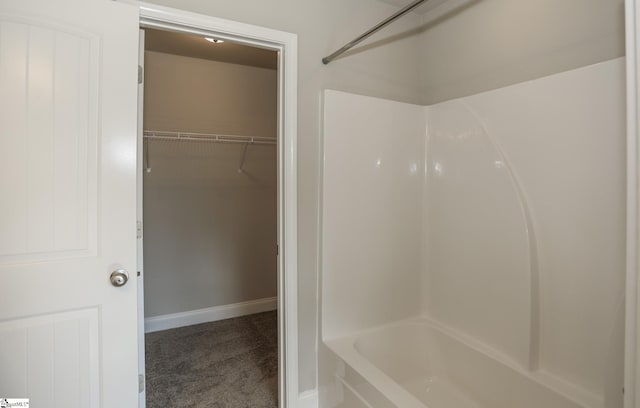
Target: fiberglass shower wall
209	226
500	216
525	221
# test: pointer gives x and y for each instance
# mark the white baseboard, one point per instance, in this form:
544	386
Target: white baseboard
171	321
308	399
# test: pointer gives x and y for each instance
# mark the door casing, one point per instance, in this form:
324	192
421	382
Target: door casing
285	44
632	316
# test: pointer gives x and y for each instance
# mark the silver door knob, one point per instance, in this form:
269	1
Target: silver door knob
119	277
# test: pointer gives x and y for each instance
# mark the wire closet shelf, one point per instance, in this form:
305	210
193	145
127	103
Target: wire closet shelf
208	137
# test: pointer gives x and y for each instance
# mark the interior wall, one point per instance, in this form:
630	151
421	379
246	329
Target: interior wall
477	254
210	230
185	94
525	224
389	69
494	43
517	228
488	44
371	196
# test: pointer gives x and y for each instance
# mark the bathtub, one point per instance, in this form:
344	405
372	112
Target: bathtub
417	364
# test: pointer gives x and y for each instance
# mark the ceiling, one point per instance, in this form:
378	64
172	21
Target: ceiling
422	9
194	46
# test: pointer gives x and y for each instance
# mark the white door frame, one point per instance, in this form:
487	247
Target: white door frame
142	390
285	44
632	336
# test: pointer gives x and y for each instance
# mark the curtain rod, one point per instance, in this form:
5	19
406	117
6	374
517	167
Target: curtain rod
371	31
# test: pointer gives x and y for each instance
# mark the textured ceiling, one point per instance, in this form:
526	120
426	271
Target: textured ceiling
195	46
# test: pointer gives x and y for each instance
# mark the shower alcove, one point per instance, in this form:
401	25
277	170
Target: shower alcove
473	250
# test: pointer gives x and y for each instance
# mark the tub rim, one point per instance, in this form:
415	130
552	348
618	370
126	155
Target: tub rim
345	347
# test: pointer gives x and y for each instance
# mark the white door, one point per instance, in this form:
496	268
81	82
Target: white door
68	89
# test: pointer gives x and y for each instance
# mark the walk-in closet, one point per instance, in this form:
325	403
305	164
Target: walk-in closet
210	221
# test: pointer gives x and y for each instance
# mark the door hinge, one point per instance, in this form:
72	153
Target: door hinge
277	250
138	229
140	74
140	383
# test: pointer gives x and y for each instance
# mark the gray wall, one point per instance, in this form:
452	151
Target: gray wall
210	231
494	43
490	46
390	71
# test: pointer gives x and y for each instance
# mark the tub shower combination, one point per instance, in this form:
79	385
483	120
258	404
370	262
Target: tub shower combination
473	250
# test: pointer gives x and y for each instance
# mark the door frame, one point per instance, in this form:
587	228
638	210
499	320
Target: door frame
632	325
153	16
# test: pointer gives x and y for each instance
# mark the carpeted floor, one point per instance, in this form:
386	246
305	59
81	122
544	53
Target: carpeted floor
226	364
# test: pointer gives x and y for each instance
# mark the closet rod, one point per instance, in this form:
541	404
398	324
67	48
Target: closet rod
371	31
208	137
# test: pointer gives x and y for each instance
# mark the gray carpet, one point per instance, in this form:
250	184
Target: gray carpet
226	364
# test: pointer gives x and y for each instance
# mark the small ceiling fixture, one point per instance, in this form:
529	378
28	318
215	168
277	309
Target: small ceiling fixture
214	40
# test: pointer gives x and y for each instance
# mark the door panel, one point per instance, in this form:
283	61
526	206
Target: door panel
49	80
53	358
68	103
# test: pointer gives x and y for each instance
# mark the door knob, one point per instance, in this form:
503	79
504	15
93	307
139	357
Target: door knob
119	277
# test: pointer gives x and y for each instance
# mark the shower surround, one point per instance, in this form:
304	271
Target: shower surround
473	250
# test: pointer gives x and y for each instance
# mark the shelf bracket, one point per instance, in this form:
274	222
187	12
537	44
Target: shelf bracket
244	155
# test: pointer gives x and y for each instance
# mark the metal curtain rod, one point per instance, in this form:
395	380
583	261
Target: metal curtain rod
373	30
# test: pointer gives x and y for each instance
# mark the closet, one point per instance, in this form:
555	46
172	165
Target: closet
210	181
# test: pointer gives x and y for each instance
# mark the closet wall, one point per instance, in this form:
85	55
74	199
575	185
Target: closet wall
209	230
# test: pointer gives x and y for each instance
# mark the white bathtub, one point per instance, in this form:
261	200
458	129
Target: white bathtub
414	364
